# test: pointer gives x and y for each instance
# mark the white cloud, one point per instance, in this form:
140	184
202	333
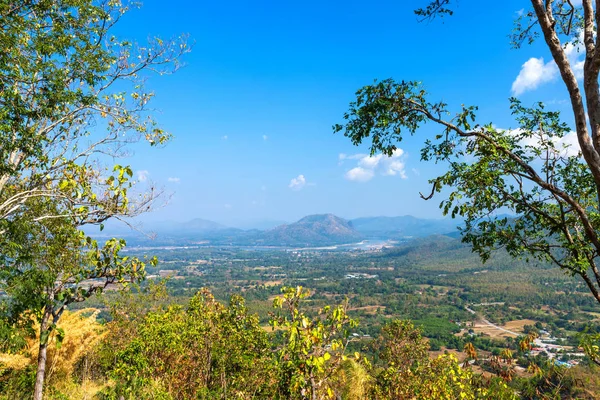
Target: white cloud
560	102
360	174
143	175
369	166
569	143
370	162
265	137
395	168
534	73
566	146
174	179
297	183
573	52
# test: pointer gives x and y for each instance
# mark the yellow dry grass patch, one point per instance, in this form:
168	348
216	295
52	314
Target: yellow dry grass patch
490	331
593	314
459	354
514	326
517	325
82	334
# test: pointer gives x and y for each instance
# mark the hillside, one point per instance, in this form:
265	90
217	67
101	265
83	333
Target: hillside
320	229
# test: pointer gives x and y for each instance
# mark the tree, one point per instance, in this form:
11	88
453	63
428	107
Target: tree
205	350
63	79
552	190
313	348
53	265
409	372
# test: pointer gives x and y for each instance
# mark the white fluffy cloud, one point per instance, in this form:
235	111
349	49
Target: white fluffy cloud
570	144
573	52
143	175
360	174
566	146
297	183
369	166
534	72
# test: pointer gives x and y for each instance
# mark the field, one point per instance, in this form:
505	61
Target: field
516	326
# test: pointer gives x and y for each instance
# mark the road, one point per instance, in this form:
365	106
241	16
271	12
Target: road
485	321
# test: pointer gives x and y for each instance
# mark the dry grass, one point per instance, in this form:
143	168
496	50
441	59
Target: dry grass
263	268
490	331
459	354
82	334
515	326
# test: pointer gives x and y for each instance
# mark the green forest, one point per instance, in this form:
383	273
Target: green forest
500	300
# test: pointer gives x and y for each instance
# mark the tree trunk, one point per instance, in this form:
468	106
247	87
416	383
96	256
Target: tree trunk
313	387
41	363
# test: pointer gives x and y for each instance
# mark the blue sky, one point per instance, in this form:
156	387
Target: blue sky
253	107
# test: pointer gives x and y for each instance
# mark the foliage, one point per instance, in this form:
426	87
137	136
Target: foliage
204	350
209	350
409	372
313	348
551	189
551	382
64	77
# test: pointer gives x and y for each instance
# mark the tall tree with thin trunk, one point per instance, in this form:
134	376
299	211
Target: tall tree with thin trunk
53	265
552	190
72	99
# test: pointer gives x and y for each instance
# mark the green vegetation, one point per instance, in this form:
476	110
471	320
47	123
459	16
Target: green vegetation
551	189
62	71
430	281
424	319
209	350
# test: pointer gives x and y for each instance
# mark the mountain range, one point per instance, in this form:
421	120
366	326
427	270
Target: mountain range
312	230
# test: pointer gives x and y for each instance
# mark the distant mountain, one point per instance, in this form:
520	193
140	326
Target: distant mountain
312	230
320	229
405	226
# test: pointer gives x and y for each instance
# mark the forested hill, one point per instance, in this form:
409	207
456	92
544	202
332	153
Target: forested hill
321	229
